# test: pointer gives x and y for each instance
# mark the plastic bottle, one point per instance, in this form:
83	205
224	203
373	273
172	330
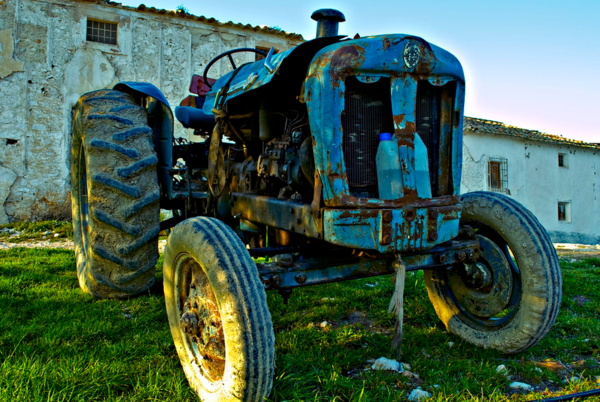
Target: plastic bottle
422	168
389	177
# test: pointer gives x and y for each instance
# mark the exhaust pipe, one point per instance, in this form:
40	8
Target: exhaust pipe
328	21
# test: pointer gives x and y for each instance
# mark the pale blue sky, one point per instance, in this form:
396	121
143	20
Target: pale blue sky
531	63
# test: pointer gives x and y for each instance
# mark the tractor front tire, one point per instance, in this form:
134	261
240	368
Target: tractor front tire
510	297
114	195
218	313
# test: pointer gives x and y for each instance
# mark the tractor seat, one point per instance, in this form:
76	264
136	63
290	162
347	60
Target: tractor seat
195	118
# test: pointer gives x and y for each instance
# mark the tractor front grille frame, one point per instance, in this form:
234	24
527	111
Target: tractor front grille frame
368	112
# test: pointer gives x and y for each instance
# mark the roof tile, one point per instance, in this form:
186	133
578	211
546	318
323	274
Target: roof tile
495	127
212	21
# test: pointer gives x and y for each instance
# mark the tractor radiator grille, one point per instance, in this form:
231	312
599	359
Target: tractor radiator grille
368	113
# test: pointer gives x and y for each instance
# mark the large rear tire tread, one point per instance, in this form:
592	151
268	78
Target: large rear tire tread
248	328
117	253
541	282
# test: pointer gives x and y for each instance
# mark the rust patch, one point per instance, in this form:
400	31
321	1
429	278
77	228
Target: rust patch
398	120
406	140
344	60
360	216
410	198
386	43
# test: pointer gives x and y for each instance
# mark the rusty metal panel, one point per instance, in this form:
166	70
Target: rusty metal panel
391	230
457	137
281	214
255	75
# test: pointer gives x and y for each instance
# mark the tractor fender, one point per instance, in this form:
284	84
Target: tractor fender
160	119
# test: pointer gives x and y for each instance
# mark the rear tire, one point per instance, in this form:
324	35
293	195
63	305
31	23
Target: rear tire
218	313
114	194
519	302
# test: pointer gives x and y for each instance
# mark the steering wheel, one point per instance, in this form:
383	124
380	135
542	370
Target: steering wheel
228	54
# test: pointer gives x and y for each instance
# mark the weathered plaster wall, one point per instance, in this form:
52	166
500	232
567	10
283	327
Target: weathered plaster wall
536	181
53	65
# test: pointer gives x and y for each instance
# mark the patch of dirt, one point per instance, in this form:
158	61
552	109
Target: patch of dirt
580	300
568	251
58	243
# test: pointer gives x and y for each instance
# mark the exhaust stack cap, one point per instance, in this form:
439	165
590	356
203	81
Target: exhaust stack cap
328	21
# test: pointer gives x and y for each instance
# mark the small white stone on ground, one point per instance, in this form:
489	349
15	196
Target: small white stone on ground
387	364
410	374
418	394
521	386
324	324
502	369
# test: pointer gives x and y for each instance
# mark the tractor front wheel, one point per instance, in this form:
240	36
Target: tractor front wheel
218	313
510	297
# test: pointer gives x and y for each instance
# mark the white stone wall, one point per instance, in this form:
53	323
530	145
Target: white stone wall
536	181
53	65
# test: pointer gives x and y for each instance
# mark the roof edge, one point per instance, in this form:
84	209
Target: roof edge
495	127
191	17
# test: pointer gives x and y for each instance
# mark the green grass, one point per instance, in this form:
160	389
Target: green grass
59	344
40	230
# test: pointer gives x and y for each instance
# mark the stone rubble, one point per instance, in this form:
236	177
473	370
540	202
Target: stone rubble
66	244
520	386
418	394
387	364
502	369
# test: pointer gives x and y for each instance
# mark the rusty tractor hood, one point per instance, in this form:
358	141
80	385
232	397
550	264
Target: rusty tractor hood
387	55
392	55
255	75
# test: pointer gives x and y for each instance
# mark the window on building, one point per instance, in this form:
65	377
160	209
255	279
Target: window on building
564	211
102	32
562	160
498	174
264	49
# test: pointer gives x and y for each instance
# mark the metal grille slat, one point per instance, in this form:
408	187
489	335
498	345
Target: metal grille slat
428	124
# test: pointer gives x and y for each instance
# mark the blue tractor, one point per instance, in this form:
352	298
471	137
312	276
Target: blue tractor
338	159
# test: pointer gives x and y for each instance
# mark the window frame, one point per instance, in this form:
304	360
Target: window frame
563	160
499	184
101	21
565	214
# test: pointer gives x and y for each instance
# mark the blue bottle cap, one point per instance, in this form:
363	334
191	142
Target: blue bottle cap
385	137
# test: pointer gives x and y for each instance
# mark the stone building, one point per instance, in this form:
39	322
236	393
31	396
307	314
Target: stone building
52	51
554	177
